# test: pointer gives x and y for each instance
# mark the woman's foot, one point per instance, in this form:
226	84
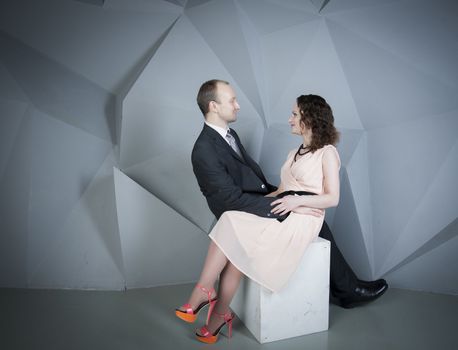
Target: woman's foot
209	333
200	297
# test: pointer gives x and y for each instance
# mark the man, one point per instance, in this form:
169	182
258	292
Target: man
230	180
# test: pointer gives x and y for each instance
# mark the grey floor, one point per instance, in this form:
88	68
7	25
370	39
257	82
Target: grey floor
144	319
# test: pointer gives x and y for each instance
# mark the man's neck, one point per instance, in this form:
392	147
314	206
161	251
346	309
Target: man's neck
217	122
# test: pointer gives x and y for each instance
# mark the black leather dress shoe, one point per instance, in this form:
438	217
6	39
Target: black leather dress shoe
373	284
364	292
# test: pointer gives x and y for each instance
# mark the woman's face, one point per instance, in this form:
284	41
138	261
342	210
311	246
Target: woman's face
294	121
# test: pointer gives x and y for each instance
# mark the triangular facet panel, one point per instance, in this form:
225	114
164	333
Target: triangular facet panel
411	33
57	91
211	20
280	60
348	142
426	221
170	178
194	3
87	251
320	73
150	232
153	7
298	5
177	2
403	161
92	2
400	93
347	231
253	43
12	113
9	88
445	235
269	17
320	4
14	209
358	176
129	81
102	44
59	177
150	129
434	271
331	6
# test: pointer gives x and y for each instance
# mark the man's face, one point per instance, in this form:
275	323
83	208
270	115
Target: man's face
227	105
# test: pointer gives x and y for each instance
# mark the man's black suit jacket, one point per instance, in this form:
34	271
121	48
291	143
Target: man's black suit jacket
227	181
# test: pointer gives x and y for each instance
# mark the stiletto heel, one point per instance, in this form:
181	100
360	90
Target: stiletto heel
206	337
210	309
189	315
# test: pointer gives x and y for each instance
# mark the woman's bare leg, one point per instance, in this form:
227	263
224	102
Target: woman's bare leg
214	264
228	284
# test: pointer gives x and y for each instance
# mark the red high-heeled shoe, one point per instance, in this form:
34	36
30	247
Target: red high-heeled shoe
206	337
190	315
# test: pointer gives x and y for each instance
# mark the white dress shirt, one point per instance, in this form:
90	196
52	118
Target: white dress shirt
219	130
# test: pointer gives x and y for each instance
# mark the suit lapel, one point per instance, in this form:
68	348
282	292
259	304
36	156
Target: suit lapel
248	160
218	140
222	143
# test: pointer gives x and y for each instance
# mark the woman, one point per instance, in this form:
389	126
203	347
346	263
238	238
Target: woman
264	249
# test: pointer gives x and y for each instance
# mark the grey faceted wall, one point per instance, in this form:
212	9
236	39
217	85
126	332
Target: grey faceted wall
98	119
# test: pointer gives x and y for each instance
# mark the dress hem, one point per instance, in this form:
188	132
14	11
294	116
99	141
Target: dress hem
241	270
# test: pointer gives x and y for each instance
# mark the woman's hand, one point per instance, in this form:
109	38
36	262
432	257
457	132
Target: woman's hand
286	204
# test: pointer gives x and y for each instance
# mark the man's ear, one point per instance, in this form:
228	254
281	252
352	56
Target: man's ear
212	106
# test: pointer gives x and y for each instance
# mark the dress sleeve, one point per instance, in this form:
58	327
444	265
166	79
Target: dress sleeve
332	149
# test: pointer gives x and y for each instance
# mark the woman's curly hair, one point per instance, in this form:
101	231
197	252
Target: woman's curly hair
317	115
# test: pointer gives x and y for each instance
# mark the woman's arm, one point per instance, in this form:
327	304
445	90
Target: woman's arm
331	188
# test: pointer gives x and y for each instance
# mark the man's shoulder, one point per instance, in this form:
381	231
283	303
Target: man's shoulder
202	143
202	139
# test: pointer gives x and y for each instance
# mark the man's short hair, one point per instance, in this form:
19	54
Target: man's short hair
207	93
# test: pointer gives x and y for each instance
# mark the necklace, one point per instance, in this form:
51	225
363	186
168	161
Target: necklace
306	150
303	148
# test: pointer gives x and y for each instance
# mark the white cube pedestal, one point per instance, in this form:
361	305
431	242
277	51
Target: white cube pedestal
301	307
